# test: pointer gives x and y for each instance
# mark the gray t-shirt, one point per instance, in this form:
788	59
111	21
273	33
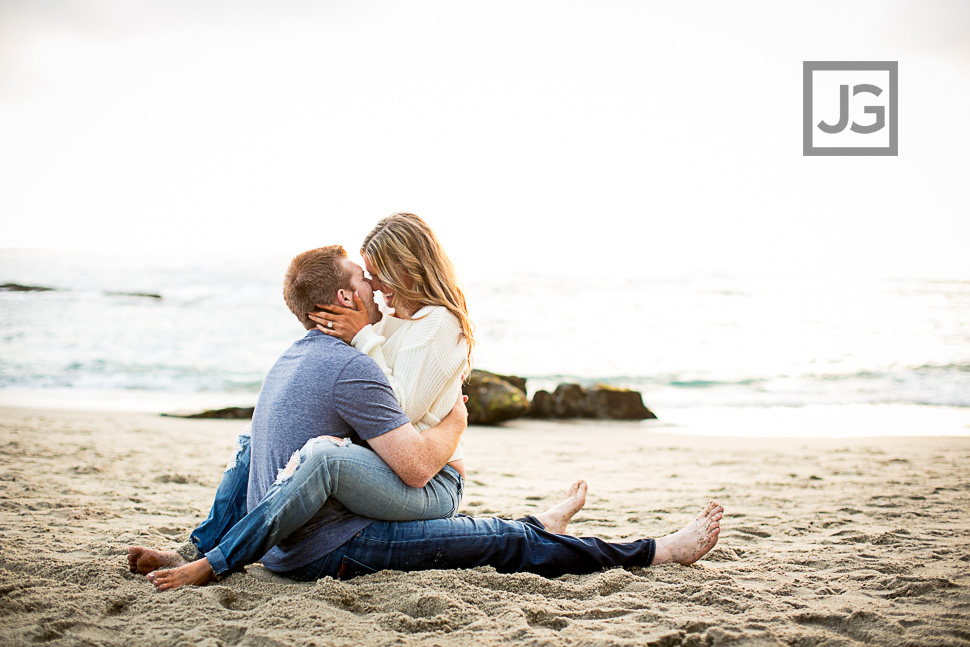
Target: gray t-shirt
320	385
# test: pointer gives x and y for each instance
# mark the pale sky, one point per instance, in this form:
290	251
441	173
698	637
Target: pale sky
627	137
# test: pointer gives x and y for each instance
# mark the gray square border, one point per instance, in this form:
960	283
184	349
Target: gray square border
808	121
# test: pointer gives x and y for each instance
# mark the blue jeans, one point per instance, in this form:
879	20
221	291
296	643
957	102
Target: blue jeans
352	474
466	542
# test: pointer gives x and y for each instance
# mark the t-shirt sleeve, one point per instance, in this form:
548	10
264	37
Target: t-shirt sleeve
365	401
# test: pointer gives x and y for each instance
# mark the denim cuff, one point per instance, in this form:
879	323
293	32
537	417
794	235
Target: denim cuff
217	561
651	552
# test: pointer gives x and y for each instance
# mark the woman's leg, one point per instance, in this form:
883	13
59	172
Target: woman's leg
355	476
370	488
394	502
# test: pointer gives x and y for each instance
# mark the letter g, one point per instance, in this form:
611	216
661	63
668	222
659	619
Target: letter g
879	111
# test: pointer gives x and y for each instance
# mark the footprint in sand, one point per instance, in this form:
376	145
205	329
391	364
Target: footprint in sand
751	530
864	626
546	620
234	600
920	589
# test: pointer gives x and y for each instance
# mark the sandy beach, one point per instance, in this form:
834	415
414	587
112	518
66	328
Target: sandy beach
826	542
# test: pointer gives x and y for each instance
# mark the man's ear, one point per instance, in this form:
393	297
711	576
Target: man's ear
345	298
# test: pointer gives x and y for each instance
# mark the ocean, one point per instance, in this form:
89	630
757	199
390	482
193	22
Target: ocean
703	340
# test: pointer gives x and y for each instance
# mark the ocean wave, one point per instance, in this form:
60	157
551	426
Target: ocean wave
158	380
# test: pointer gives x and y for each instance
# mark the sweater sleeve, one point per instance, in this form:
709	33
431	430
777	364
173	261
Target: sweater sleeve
431	357
370	342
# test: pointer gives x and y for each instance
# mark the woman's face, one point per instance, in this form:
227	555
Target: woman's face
378	286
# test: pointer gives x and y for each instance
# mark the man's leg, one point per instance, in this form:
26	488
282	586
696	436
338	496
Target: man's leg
228	508
354	475
367	487
508	546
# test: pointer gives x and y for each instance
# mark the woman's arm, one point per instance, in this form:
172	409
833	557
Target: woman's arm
371	343
432	353
353	326
431	361
431	358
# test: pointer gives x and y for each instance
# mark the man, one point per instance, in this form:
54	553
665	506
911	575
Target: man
321	385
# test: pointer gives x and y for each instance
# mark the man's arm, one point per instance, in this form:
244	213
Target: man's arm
417	457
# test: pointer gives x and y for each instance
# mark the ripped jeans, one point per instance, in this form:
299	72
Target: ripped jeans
354	475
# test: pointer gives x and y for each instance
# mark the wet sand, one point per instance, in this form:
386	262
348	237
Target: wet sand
827	542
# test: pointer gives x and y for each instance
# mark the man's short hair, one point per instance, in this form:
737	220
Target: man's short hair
314	277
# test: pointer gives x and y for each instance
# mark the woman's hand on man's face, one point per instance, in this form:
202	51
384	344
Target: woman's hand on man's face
338	321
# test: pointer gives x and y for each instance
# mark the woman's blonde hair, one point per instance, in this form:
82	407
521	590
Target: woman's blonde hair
403	246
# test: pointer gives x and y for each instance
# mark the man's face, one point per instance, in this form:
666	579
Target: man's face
362	286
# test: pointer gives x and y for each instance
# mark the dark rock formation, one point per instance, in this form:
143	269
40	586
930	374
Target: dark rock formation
494	398
543	405
601	402
229	413
567	401
148	295
517	382
617	404
571	401
16	287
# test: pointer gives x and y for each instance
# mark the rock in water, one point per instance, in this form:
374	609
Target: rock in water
514	380
543	405
493	399
16	287
149	295
602	402
571	401
617	404
229	413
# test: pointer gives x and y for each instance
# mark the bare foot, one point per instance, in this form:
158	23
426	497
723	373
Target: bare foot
145	560
556	518
198	572
694	540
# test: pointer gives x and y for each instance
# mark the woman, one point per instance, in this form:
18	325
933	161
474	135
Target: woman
423	348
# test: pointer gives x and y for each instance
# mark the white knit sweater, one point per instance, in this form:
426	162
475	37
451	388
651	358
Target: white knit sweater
424	359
